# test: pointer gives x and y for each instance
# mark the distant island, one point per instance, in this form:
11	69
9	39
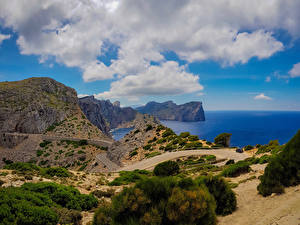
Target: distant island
188	112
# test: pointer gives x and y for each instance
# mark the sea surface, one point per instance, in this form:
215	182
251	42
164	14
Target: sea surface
246	127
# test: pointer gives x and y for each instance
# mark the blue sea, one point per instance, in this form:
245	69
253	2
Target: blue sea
246	127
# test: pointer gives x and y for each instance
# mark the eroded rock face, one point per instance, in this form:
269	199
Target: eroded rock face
104	114
188	112
34	104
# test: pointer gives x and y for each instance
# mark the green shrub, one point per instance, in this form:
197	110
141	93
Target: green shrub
193	138
56	171
236	169
159	201
44	143
127	177
147	147
68	216
273	144
65	196
209	157
184	134
167	168
39	153
136	131
82	142
18	206
107	194
152	154
248	147
283	169
133	153
168	132
22	167
224	196
223	139
149	127
230	161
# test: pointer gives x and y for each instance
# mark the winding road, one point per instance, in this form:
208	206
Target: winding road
148	164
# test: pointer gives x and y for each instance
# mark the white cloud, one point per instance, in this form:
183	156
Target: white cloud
73	32
262	96
81	95
4	37
295	71
268	79
167	79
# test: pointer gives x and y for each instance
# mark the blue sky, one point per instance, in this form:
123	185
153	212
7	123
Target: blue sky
139	51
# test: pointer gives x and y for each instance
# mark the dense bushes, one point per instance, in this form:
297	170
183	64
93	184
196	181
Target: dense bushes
41	204
224	196
236	169
65	196
223	139
56	171
283	169
167	168
160	201
273	145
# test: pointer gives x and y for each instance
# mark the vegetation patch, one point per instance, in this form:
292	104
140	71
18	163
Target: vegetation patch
283	169
168	168
236	169
127	177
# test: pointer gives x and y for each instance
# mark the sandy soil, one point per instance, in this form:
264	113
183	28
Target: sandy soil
253	209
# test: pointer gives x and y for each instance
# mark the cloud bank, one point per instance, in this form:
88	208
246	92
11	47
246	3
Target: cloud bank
262	96
76	33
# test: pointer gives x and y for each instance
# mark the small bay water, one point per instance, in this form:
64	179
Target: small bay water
246	127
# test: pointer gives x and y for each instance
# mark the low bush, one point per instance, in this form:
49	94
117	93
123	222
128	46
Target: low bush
147	147
168	168
44	143
23	167
168	132
193	138
230	161
223	139
65	196
283	169
224	196
149	127
184	134
127	177
236	169
56	171
248	147
152	154
273	144
107	194
160	201
133	153
68	216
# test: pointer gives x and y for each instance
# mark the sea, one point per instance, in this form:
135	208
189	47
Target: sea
246	127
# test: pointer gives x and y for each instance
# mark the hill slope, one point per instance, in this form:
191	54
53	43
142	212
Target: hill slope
34	104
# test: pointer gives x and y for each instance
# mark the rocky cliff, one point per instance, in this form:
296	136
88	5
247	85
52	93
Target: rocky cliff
104	114
188	112
34	104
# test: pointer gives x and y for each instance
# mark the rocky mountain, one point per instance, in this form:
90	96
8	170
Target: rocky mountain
104	114
188	112
34	104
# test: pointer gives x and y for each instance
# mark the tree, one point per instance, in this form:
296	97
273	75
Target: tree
223	139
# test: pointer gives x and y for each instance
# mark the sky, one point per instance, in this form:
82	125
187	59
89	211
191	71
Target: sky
229	54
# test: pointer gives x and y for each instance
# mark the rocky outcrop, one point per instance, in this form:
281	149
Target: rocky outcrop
188	112
34	104
104	114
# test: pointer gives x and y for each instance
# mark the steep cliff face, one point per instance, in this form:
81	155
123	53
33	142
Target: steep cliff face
34	104
104	114
188	112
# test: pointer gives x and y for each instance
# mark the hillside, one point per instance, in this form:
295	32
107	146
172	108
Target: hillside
34	104
188	112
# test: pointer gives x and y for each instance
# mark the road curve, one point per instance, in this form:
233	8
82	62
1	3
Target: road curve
148	164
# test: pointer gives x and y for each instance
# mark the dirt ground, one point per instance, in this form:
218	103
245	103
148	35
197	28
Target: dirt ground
253	209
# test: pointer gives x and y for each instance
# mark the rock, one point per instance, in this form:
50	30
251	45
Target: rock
188	112
104	114
34	104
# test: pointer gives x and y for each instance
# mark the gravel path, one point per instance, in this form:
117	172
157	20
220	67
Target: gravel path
150	163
